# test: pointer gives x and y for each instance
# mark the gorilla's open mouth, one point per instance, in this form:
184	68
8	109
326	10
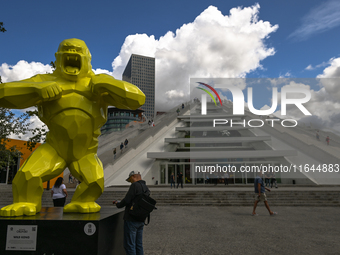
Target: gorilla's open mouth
72	64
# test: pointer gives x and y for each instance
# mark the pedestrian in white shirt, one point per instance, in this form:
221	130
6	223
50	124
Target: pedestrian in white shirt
59	193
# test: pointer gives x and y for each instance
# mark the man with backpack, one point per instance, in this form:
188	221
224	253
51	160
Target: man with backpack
133	222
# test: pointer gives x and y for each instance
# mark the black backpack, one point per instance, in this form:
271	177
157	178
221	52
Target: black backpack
142	206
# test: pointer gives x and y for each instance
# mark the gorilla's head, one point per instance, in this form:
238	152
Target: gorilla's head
73	59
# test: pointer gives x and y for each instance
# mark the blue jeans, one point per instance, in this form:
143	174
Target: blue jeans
133	237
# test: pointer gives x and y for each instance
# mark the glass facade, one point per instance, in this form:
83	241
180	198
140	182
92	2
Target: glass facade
190	176
118	119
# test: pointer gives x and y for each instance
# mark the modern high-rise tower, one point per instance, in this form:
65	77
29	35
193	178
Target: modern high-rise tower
140	71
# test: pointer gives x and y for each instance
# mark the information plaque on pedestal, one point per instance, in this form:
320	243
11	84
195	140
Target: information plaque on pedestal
53	232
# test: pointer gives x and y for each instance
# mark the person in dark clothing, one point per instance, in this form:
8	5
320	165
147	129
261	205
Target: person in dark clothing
267	179
121	147
133	228
180	180
273	180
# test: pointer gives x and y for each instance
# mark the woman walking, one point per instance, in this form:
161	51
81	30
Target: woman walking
59	193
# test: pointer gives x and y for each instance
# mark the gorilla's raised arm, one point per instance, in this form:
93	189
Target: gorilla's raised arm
117	93
29	92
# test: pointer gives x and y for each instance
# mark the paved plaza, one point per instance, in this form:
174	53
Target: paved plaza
219	230
181	230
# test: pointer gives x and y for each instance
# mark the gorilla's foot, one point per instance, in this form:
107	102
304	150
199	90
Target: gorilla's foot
82	207
19	209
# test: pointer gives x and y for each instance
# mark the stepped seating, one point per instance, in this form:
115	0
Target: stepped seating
232	198
208	198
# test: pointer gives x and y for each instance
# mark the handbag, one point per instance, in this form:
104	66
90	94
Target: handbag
142	206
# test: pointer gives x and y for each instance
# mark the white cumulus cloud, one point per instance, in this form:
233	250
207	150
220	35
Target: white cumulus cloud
174	94
332	71
35	122
22	70
213	45
101	71
330	79
324	104
19	71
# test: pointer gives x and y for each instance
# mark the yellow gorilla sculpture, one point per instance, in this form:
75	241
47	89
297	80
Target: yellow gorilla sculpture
72	102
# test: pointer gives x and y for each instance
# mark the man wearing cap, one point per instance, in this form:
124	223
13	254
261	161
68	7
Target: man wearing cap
133	229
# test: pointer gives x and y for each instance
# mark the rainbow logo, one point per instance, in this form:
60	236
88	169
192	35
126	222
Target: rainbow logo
208	92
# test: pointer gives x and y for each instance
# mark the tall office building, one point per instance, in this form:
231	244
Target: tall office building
140	71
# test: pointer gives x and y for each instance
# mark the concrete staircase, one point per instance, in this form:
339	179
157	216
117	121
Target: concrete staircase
232	198
287	196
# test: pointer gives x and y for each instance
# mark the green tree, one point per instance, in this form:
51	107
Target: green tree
52	64
16	124
38	134
2	29
11	124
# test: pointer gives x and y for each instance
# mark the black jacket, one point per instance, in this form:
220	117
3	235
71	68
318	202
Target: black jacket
134	190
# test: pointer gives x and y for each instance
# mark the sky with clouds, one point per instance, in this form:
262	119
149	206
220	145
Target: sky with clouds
220	39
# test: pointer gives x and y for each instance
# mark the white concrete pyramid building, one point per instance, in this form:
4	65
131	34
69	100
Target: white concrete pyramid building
190	144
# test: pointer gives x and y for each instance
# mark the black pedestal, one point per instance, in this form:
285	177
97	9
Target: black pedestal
58	233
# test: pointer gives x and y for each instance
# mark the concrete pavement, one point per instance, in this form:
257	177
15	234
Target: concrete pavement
232	230
219	230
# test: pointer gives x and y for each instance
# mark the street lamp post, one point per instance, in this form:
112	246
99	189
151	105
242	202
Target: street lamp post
7	174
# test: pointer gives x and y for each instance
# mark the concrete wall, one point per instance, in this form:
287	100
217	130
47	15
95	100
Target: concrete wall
306	154
137	160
